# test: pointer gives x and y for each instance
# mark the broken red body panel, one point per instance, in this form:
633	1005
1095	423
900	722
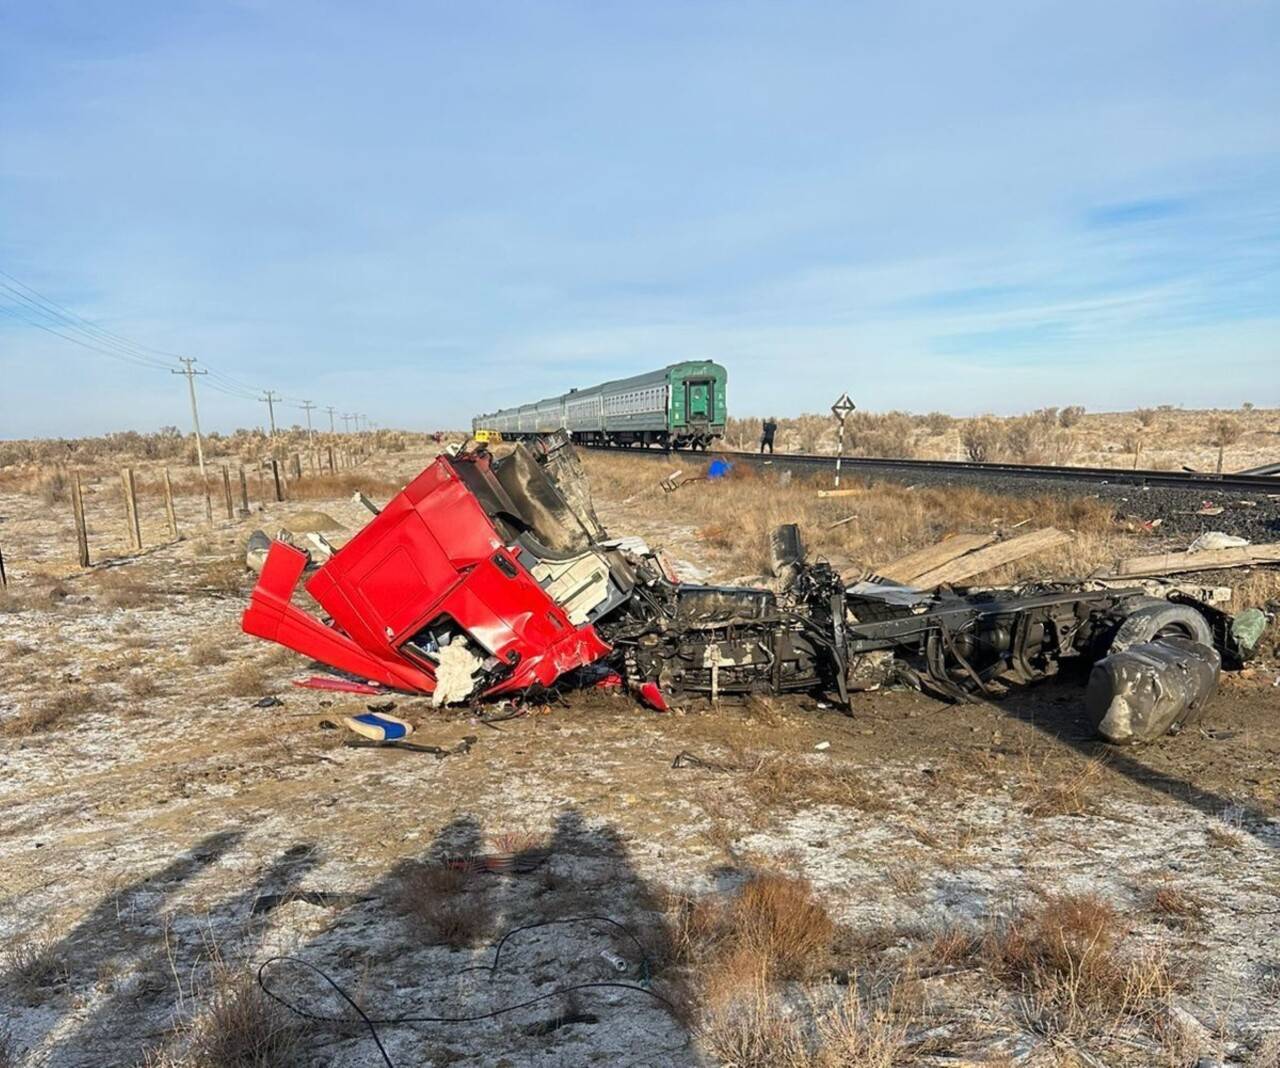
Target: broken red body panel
431	554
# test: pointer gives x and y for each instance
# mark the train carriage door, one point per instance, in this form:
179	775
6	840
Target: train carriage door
698	400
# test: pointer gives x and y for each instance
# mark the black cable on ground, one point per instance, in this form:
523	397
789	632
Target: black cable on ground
372	1023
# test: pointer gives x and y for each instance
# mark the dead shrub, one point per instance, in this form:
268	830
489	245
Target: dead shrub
245	680
48	713
761	1029
905	879
120	589
753	1029
1178	906
982	439
54	488
228	576
779	918
1070	416
945	949
34	969
445	902
207	654
243	1028
140	684
1063	954
774	928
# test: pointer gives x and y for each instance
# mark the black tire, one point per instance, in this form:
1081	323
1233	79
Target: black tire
1160	619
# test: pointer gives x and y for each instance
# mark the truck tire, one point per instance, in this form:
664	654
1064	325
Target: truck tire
1160	619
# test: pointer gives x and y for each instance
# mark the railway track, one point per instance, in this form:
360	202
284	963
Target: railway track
1185	480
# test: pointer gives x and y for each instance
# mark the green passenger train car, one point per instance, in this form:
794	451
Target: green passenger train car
680	406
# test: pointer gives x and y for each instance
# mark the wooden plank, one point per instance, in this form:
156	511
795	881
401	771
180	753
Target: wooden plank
823	494
244	492
993	556
922	561
1209	560
82	531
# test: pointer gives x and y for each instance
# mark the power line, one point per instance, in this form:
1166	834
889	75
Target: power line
67	320
124	357
36	310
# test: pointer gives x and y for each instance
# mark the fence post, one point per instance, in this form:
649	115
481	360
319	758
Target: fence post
169	513
131	508
4	579
332	468
297	467
311	461
275	474
226	492
82	532
244	492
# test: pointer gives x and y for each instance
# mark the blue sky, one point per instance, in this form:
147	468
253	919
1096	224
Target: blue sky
424	210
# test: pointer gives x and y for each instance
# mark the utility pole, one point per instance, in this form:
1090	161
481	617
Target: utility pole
306	407
346	424
331	410
188	370
270	399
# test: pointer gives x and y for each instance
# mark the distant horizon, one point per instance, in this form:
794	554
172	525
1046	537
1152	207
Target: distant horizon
465	428
425	211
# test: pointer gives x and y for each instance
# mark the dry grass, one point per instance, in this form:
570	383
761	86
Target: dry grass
343	484
229	576
33	969
48	713
207	654
758	1028
1074	794
445	903
141	684
1064	956
1183	908
243	1028
9	1055
773	929
787	782
36	598
1224	837
906	879
734	518
124	587
1162	438
245	680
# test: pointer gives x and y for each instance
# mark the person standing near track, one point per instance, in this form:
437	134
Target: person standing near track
767	431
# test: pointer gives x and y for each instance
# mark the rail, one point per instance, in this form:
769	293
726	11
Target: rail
1239	483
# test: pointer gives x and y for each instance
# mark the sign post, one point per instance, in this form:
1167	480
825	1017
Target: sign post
841	409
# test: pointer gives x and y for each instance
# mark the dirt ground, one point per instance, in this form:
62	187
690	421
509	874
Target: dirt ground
162	834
